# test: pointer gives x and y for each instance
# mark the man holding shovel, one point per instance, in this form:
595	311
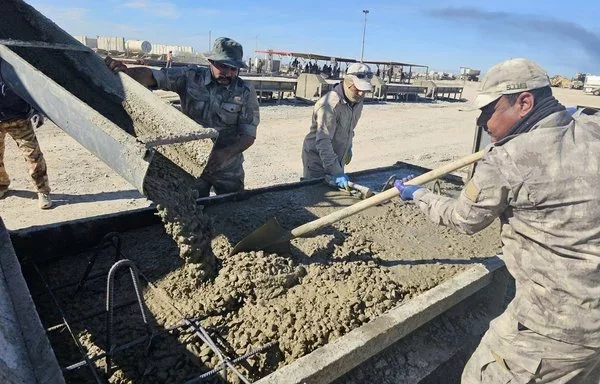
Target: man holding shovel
327	147
540	176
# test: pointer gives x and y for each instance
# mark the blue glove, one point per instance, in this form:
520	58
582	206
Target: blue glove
406	191
348	156
341	181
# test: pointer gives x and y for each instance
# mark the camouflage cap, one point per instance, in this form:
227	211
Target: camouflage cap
227	51
510	76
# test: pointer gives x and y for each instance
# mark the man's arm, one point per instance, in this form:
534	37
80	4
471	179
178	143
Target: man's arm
142	75
326	126
221	156
483	199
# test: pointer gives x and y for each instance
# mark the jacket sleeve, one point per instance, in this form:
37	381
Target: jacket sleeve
171	79
484	198
326	126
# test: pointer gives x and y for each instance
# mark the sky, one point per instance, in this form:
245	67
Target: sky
563	37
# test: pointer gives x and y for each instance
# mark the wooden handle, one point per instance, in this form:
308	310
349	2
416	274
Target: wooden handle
361	188
383	196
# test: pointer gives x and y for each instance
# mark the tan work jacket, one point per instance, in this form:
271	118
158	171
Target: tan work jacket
544	186
331	133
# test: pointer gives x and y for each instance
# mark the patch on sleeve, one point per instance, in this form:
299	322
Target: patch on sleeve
472	191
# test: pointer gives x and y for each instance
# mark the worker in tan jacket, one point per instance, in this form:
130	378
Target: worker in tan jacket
540	176
328	146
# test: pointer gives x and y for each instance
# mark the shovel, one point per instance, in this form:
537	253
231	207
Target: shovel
271	237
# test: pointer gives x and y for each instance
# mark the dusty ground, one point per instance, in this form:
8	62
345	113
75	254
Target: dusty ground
427	134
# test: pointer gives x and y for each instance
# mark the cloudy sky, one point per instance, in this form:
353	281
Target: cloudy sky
564	37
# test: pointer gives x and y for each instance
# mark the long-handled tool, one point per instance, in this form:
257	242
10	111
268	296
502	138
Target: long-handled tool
353	188
271	237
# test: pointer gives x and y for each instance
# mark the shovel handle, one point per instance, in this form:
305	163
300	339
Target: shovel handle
383	196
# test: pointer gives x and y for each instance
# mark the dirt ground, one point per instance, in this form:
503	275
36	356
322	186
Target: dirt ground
423	133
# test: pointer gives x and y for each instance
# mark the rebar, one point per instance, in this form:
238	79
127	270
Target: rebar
111	238
109	306
80	347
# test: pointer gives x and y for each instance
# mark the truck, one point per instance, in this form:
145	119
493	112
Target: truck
469	74
592	84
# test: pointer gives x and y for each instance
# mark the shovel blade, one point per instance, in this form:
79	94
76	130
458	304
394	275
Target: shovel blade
270	237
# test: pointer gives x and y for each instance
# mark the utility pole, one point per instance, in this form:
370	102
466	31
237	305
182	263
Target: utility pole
209	40
362	52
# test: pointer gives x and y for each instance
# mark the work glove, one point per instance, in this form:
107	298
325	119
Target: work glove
406	191
348	156
341	181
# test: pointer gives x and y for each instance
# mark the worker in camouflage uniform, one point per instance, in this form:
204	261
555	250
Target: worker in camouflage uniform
327	147
214	97
540	176
14	121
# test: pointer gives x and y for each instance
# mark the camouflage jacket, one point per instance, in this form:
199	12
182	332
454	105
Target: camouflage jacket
232	110
331	133
543	185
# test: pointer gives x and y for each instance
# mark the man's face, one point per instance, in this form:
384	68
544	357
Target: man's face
499	117
223	74
355	94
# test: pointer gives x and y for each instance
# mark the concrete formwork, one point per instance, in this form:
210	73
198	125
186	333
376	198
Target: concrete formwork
394	347
25	352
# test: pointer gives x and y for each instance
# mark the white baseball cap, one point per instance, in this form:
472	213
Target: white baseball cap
361	76
510	76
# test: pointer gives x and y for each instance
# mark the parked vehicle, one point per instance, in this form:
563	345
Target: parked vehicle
592	84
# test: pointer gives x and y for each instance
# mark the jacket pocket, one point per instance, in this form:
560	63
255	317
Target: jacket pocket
229	112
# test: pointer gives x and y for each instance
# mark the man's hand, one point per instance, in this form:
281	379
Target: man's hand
115	65
341	181
216	160
406	191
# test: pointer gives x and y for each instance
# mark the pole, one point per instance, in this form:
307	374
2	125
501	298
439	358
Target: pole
209	40
362	52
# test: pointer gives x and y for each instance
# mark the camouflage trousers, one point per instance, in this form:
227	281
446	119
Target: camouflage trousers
230	178
511	353
23	134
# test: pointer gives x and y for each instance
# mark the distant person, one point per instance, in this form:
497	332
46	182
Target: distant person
14	121
327	148
540	177
259	66
390	73
214	97
169	59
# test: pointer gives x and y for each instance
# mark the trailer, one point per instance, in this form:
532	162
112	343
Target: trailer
592	85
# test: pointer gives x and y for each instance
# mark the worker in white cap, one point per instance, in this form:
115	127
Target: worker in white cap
327	148
540	176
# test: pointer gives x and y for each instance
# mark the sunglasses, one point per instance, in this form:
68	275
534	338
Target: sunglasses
362	75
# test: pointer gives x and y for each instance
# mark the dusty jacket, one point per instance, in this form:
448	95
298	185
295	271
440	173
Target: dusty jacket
232	110
330	136
544	187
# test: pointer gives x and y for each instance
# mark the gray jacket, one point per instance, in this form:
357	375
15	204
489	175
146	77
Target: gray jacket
544	187
331	133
